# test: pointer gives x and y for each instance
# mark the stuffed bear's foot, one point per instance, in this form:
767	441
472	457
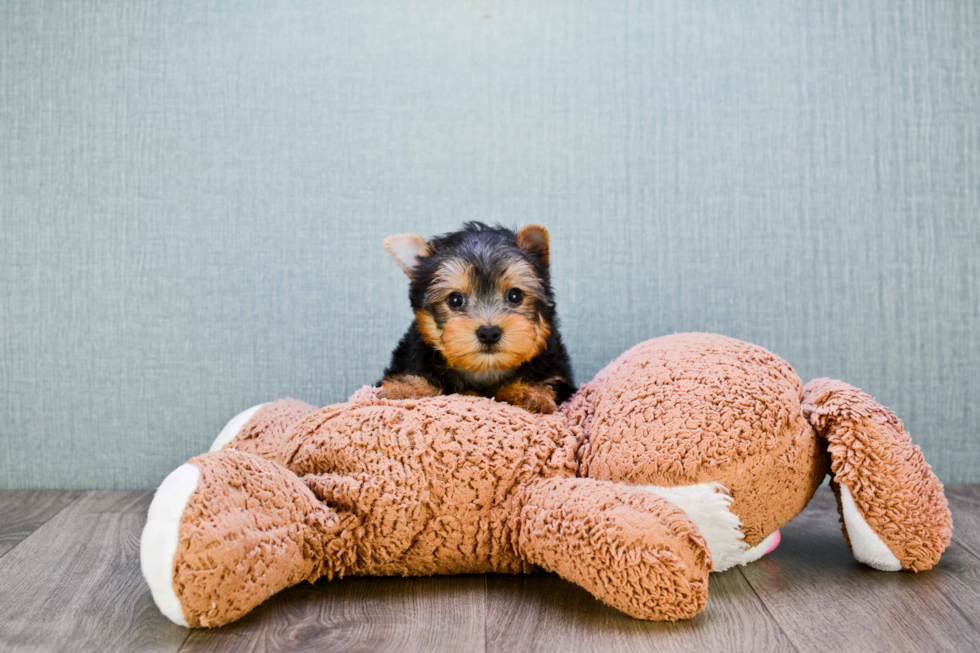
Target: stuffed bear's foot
158	544
228	530
893	507
630	548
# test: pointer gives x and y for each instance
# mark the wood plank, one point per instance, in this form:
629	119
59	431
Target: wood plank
22	513
542	612
441	613
964	502
825	600
75	583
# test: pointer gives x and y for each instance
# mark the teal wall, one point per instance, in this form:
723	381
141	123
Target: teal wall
193	197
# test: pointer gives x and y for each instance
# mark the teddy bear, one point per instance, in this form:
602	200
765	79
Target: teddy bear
684	456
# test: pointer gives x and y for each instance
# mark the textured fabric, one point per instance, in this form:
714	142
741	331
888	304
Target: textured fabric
252	528
249	530
193	197
894	488
694	408
263	434
457	484
632	549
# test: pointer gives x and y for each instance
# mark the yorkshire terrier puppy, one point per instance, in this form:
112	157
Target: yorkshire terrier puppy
485	321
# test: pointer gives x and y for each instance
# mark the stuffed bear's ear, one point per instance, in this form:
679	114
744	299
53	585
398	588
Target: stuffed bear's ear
406	249
534	237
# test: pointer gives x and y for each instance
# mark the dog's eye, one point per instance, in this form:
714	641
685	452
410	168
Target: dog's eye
515	296
456	300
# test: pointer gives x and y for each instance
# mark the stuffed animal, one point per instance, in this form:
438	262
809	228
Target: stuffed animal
683	456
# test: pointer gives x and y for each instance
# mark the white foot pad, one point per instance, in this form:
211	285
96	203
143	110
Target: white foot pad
866	545
158	544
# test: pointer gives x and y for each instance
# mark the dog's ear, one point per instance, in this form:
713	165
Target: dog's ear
406	249
534	238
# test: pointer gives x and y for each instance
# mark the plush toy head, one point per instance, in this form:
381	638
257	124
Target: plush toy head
684	455
687	410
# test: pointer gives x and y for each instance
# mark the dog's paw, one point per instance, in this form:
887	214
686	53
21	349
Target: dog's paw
406	386
530	397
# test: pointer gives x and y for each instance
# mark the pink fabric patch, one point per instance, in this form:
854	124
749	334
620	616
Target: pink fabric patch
775	542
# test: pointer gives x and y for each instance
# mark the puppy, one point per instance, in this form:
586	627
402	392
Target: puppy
485	321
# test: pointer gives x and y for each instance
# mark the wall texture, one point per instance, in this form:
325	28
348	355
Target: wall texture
193	197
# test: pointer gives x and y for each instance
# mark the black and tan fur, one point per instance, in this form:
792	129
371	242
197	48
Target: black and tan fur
485	321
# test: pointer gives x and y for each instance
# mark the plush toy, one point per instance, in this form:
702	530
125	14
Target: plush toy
683	456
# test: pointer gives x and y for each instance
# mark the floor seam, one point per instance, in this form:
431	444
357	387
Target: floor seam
955	540
183	642
952	601
958	609
42	524
765	607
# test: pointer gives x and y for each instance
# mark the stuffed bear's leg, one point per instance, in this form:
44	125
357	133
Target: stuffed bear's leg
893	507
630	548
228	530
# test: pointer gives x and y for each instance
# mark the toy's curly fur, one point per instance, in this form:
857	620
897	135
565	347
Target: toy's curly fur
867	443
457	484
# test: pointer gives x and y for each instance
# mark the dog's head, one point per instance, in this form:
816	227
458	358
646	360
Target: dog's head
482	295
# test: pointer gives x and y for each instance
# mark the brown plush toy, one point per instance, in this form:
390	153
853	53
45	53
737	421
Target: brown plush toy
683	456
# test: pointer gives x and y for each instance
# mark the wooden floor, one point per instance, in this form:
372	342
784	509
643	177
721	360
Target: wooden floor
70	581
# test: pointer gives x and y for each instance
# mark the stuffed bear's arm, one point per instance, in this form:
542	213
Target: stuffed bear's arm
631	549
893	507
229	529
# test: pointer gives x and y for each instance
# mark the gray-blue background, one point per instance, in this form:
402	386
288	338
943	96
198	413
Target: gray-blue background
193	197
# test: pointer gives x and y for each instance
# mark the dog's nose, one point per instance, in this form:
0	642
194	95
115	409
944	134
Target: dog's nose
488	335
